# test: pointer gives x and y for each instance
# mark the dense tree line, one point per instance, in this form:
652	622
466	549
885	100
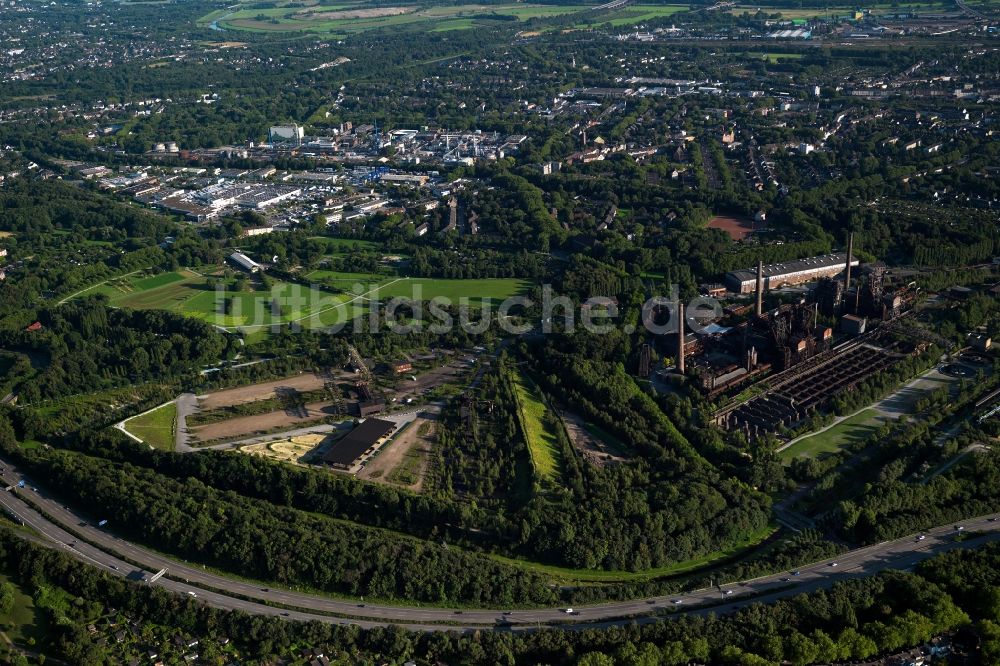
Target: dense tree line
253	537
855	619
84	346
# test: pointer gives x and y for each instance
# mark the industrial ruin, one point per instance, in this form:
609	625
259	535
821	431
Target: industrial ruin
789	353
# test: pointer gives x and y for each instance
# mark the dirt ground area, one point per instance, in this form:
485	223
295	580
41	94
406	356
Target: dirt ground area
429	380
307	381
296	450
404	460
374	12
261	423
594	450
738	228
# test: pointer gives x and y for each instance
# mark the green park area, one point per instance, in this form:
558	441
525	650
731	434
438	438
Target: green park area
475	290
156	427
632	15
538	430
345	19
22	622
331	299
849	431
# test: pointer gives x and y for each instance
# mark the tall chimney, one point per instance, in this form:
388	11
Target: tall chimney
760	288
847	271
680	337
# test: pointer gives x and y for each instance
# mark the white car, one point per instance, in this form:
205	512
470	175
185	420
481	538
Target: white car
833	564
678	601
921	537
192	593
568	611
728	592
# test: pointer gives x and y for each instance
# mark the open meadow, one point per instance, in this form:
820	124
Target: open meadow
345	19
538	430
157	427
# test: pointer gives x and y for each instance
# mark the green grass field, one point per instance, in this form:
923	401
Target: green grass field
26	620
344	245
476	291
353	18
878	8
333	299
156	428
542	441
634	14
849	431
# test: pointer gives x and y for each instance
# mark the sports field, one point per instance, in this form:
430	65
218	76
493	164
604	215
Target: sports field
347	18
156	428
542	442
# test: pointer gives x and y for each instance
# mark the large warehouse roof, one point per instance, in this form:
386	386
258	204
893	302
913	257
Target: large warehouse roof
364	436
795	266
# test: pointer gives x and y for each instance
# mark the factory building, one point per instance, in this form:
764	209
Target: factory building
353	450
788	273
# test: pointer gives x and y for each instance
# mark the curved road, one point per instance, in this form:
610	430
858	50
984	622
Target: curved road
69	531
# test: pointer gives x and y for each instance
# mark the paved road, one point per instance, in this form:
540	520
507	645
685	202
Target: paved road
58	523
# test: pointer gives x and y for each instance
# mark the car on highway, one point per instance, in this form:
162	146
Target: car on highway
192	593
678	601
568	611
786	580
921	537
727	592
796	573
959	528
834	564
992	520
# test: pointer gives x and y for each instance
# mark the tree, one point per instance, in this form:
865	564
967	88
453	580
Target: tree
6	598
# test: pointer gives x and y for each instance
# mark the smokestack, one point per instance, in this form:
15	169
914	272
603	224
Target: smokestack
760	288
847	271
680	337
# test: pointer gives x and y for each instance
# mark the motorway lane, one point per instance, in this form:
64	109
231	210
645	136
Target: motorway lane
898	554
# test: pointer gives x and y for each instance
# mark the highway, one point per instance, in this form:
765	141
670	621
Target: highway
77	536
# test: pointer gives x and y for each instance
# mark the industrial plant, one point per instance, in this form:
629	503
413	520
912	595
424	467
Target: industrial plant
813	345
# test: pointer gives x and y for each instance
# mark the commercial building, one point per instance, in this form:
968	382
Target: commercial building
789	273
414	179
356	447
285	134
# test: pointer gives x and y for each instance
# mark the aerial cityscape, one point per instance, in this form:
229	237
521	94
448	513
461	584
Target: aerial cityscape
536	332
